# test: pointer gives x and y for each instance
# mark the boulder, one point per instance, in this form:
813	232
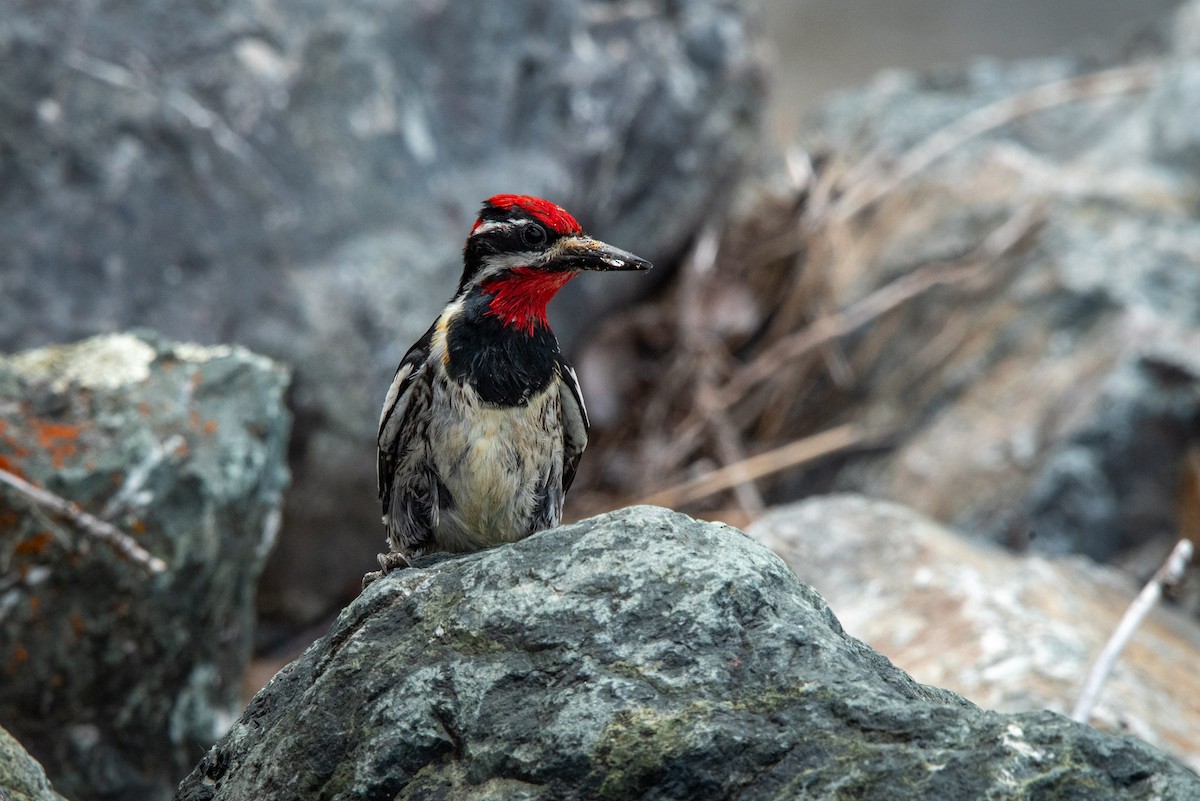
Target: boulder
1011	633
115	678
21	777
299	178
640	654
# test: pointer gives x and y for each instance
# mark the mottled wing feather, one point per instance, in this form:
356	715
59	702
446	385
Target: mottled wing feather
575	422
396	420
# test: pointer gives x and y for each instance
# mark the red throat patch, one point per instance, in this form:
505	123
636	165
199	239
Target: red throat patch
554	217
519	299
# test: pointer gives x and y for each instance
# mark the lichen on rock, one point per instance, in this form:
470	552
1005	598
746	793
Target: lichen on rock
639	654
113	678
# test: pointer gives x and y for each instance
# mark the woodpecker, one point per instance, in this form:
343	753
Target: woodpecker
484	423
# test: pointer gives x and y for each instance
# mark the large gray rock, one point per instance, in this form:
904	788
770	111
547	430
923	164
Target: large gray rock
1009	632
299	177
1052	398
115	679
640	654
21	777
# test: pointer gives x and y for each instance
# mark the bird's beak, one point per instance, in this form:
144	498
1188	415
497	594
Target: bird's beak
585	253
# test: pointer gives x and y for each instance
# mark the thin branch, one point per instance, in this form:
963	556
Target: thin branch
88	524
1170	573
730	451
699	347
1112	82
765	464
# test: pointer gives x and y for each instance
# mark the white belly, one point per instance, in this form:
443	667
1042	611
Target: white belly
494	467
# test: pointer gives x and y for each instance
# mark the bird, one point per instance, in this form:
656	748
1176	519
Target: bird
484	423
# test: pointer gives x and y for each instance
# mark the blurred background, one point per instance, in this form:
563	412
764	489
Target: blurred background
824	45
927	292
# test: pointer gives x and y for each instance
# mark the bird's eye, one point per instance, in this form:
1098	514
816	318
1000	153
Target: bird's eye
533	235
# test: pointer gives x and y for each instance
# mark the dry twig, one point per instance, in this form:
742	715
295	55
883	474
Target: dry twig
1170	573
696	339
765	464
698	360
768	363
716	395
90	525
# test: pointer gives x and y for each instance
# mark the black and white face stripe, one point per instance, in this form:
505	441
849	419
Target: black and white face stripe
496	245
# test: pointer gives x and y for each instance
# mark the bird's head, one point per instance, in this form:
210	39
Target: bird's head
523	249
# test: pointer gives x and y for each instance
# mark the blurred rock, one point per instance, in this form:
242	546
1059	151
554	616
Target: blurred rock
1054	396
1009	633
300	178
115	679
640	654
21	777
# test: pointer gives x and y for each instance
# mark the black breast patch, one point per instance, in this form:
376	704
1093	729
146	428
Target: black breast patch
505	366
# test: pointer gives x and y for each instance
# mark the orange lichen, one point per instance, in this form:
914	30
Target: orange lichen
35	605
77	624
138	526
9	519
59	457
47	433
35	545
6	464
210	427
58	440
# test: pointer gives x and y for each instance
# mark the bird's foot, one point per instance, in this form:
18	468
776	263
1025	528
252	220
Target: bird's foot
392	560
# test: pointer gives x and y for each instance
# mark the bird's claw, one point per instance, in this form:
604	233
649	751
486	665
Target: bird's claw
392	560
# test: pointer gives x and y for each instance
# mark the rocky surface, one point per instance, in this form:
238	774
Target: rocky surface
21	777
1011	633
1050	398
113	678
299	178
639	654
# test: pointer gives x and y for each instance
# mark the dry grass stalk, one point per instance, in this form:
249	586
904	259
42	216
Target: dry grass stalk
791	455
767	364
700	357
705	394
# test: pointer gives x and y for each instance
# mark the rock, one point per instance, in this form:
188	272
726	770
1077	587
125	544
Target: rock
640	654
1052	397
115	679
1011	633
21	777
300	177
